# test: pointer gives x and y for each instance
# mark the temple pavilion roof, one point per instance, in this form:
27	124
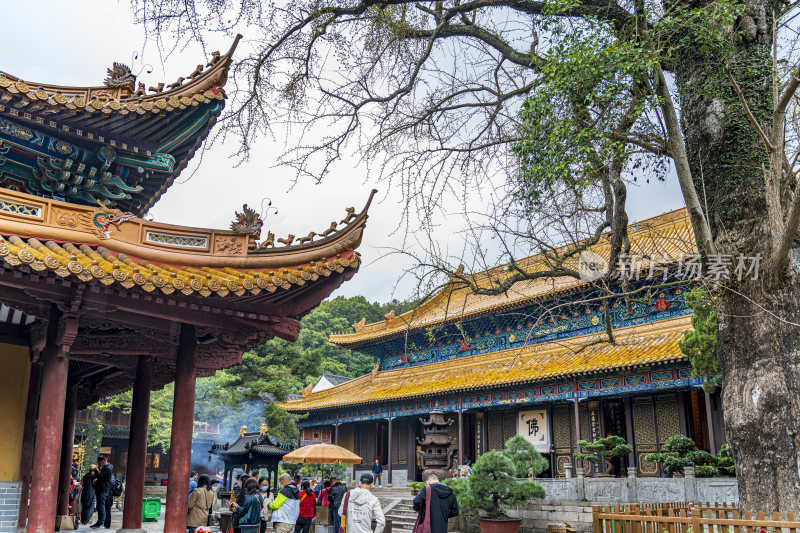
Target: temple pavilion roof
128	283
250	445
121	144
666	236
650	344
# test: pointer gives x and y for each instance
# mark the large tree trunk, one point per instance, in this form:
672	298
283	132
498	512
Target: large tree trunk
760	359
759	352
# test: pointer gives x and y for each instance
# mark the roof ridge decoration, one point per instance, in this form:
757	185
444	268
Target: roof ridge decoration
115	247
670	231
119	96
650	344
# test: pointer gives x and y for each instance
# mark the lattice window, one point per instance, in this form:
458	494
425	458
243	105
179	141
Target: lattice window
561	427
366	441
644	424
667	417
644	435
495	431
509	425
401	449
586	425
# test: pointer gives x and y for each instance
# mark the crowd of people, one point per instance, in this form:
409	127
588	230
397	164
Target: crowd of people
298	502
294	508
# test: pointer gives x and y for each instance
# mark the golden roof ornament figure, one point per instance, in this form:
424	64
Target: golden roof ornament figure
242	431
264	429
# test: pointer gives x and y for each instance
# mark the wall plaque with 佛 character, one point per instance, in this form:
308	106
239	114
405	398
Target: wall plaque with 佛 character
534	427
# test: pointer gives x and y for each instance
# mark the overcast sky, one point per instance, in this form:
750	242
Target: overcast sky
73	42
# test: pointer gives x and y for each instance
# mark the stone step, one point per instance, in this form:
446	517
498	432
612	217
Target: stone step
402	524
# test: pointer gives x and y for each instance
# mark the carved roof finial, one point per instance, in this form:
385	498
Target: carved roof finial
247	222
119	75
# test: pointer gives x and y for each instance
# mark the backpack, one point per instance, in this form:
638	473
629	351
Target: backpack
116	486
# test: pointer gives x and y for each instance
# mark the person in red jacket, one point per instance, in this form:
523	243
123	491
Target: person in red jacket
324	494
308	505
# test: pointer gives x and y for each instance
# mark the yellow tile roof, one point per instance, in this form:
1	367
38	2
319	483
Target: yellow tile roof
652	343
668	235
89	263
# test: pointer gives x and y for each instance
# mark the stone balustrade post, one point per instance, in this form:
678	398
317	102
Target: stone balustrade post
689	483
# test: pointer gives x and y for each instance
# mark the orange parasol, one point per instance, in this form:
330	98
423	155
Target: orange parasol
322	454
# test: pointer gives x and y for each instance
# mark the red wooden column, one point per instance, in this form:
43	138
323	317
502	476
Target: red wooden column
137	446
460	437
180	450
52	400
26	458
67	441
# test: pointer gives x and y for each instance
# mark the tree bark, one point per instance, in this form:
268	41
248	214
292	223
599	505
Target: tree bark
760	359
759	353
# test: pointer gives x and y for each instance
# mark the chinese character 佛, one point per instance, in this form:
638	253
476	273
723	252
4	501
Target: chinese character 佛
533	427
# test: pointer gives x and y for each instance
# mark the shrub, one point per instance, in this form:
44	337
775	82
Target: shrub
683	452
493	483
607	448
524	457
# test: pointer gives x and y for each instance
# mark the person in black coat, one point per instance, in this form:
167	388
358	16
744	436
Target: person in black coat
335	499
102	488
443	504
87	494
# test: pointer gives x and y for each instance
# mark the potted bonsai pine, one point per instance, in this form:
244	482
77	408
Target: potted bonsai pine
682	451
494	486
606	449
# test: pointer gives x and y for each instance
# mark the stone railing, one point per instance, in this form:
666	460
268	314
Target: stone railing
634	489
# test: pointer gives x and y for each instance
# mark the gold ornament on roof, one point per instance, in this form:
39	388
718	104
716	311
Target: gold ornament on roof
196	72
264	429
358	326
331	229
269	241
242	431
307	238
157	89
215	57
351	214
288	240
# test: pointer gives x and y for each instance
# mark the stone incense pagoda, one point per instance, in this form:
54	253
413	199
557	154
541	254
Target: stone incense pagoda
437	457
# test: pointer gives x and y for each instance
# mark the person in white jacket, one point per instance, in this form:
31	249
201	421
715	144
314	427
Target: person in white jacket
286	505
363	507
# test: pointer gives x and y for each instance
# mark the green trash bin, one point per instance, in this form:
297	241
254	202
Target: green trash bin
151	509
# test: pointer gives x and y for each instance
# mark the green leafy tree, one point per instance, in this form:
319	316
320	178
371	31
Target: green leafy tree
700	343
94	438
493	485
606	448
337	368
524	457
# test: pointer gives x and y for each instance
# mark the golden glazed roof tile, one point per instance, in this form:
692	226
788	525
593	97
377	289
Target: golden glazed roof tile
88	263
666	236
652	343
